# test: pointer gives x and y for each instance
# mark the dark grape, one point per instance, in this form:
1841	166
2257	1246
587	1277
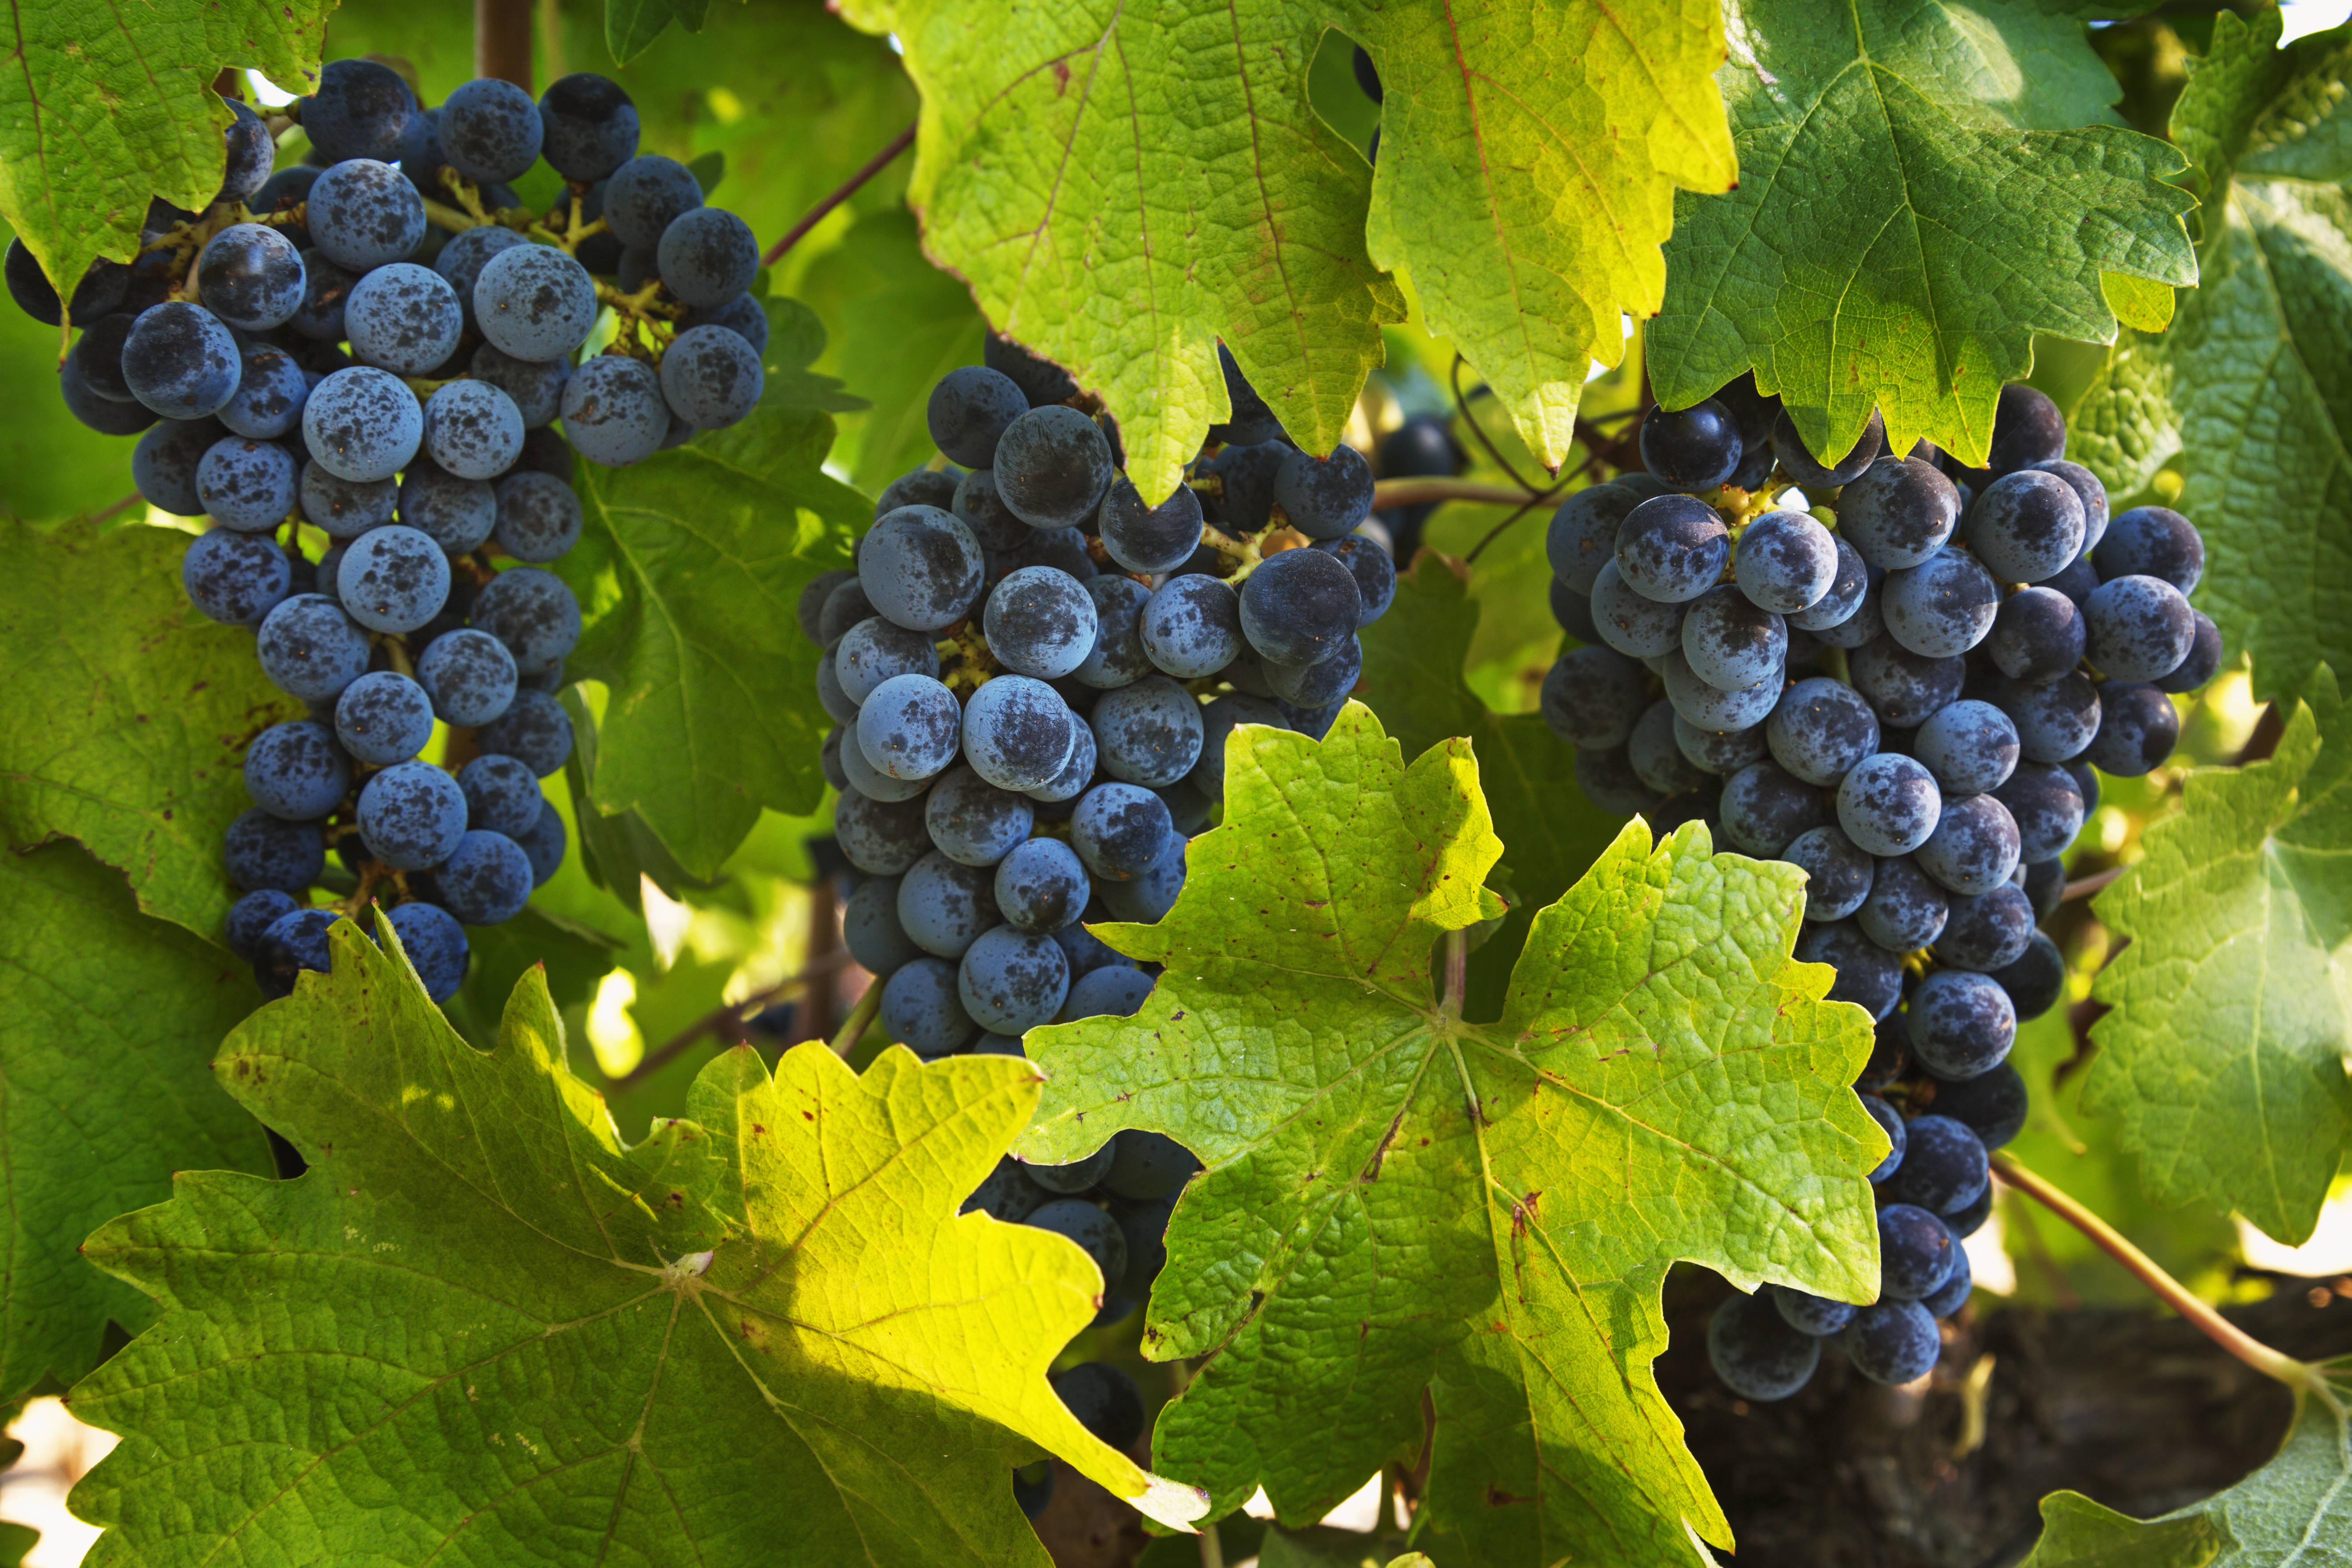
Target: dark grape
1755	1352
1149	539
1606	779
2089	492
235	578
296	770
262	851
2034	980
1011	981
1149	734
536	303
1898	513
1018	733
871	931
1992	1105
1720	752
2203	663
2046	806
2056	721
1582	536
1052	467
2027	527
646	196
1764	808
708	257
435	945
1986	930
1300	607
1961	1023
1915	1247
1729	643
1849	585
2038	636
362	110
1325	498
1867	974
308	648
1711	707
1974	848
1971	747
588	126
1890	1120
2027	429
1838	874
1671	548
1374	572
1808	1313
1041	885
487	878
1593	697
1573	612
383	718
1635	625
411	815
1659	763
1786	561
711	378
1944	1165
1321	684
1252	423
294	943
921	567
247	485
2138	727
533	613
100	292
1888	804
180	361
944	905
1190	626
535	728
1905	688
1941	607
910	727
920	1007
1894	1341
254	914
1691	449
2152	541
501	795
364	213
1863	624
1802	466
250	276
362	424
2137	628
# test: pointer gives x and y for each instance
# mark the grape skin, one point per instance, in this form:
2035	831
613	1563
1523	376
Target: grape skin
308	648
1867	974
1149	734
180	361
708	257
250	276
920	568
538	516
2027	527
536	303
1299	606
1711	707
1691	449
2137	628
1148	539
1838	873
644	196
711	378
1888	804
588	126
974	821
473	430
2039	635
2152	541
1041	885
490	131
533	614
1969	745
1634	625
944	905
1898	513
1786	562
910	727
2138	727
1318	685
1988	931
1040	622
1582	534
1961	1023
1018	733
1374	572
1053	467
1730	643
362	424
383	718
1325	498
1803	468
362	110
411	815
234	578
1941	607
1892	1342
1905	688
1765	809
296	770
920	1007
1011	982
1820	729
270	392
1671	548
1756	1353
247	485
364	213
487	878
469	676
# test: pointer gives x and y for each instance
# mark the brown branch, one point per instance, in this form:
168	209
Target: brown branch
734	1013
1412	491
1462	404
502	40
842	193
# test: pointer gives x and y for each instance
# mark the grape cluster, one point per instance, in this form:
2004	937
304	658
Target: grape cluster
1899	675
368	353
1033	674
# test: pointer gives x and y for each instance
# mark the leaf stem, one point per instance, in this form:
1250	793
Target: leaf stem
853	1028
2084	887
1409	492
1457	971
2301	1376
1463	403
1213	1551
842	193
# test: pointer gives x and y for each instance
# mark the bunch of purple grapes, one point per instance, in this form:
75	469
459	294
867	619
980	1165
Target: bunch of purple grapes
1900	674
370	350
1034	673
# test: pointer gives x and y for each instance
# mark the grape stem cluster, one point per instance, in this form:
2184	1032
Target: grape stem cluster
2301	1376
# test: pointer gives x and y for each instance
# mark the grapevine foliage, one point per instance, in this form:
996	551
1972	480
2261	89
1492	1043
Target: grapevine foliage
1122	185
1922	188
1398	1200
2226	1052
686	575
2299	1501
483	1324
119	108
107	1016
2245	390
123	730
1413	659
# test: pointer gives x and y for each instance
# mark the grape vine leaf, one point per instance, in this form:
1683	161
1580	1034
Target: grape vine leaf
108	1018
689	574
126	714
1123	185
2226	1049
483	1328
1397	1201
1413	659
2247	390
110	105
1923	186
2296	1509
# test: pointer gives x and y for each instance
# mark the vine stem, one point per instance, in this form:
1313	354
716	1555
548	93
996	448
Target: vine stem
2084	887
853	1028
731	1012
847	188
502	40
2301	1376
1411	492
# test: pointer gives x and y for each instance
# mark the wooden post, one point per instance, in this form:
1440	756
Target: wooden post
502	40
820	1002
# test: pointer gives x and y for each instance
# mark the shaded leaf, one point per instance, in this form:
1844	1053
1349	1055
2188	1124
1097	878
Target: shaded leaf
1923	188
124	718
1397	1201
112	105
2226	1051
2248	387
688	576
109	1019
482	1325
2297	1508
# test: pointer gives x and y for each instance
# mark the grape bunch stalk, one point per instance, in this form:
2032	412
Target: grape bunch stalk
1897	673
368	352
1034	674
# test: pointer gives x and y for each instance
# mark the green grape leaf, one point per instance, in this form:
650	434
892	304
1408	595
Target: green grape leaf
902	323
108	105
482	1326
1398	1202
631	25
107	1019
688	575
1529	157
2296	1509
1923	188
2226	1051
124	718
15	1541
1413	659
1123	187
2248	386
